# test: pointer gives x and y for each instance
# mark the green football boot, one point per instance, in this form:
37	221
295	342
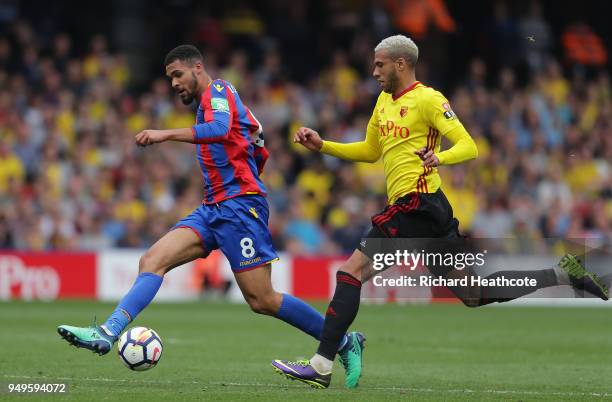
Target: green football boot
351	356
582	279
93	338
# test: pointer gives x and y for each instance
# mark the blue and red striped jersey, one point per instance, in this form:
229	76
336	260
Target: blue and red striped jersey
229	143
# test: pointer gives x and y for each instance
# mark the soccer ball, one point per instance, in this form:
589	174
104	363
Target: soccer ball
140	348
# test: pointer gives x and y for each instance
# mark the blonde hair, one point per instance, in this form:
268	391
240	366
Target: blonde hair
399	46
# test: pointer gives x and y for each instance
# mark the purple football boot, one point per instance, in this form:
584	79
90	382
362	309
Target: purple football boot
301	370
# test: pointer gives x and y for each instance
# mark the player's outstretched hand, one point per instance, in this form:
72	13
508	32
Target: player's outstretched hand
308	138
428	157
150	137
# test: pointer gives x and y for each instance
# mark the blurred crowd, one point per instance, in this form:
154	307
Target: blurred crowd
71	177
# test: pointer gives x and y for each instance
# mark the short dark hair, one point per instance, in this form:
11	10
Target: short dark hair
185	53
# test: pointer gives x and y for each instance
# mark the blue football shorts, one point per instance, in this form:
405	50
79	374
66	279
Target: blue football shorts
238	226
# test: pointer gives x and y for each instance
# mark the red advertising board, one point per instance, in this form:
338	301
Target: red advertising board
314	278
47	276
109	275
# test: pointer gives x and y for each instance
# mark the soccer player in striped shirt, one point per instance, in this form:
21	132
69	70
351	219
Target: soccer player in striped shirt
406	127
229	147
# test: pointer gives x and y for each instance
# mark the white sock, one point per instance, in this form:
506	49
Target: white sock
322	365
562	276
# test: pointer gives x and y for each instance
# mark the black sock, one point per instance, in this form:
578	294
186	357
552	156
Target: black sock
491	294
340	314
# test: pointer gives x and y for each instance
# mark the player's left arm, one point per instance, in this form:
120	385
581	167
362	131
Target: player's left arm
261	155
438	114
463	149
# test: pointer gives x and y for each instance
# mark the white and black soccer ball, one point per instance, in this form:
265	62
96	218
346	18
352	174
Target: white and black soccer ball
140	348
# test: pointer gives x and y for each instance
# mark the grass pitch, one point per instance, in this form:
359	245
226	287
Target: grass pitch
415	352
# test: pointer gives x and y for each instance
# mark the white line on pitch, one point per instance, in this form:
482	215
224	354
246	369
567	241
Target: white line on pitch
448	391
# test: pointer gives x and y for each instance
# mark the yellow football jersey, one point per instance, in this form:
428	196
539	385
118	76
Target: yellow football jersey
401	125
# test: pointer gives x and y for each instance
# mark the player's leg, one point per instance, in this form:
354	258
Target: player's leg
581	278
181	245
339	316
342	311
569	271
175	248
243	236
345	303
256	286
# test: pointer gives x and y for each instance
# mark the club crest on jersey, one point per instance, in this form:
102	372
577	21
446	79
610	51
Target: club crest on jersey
449	114
403	111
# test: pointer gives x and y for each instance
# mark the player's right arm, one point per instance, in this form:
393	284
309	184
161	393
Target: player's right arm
363	151
218	114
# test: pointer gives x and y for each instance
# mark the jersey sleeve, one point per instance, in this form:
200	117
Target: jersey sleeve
438	114
219	110
362	151
463	149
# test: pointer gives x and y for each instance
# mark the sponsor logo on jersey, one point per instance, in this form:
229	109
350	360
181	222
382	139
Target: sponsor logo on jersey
390	129
219	105
254	212
218	87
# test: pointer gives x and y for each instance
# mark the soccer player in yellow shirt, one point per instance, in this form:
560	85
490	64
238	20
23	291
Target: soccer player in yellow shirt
405	129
